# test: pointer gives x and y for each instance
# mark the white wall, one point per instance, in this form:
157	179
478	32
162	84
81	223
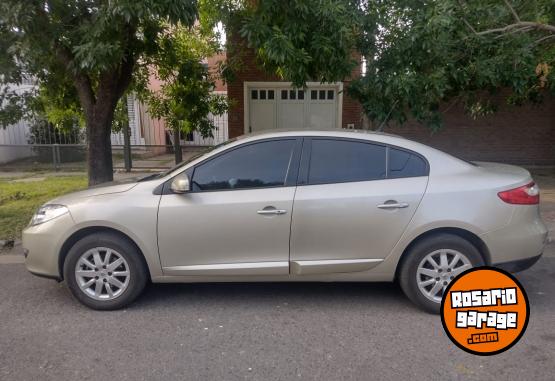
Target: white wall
15	135
134	124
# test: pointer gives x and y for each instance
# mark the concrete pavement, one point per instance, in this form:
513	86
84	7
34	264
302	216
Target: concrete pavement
258	331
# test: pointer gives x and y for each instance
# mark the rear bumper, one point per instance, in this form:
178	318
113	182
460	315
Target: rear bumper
524	238
518	265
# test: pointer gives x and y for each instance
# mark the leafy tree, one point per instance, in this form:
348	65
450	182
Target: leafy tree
297	40
98	49
185	97
95	45
429	55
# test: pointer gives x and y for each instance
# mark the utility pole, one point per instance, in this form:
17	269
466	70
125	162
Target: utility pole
127	148
177	147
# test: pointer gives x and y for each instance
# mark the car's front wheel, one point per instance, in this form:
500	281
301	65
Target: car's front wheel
105	271
431	264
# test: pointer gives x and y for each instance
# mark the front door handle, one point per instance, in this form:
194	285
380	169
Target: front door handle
270	210
393	205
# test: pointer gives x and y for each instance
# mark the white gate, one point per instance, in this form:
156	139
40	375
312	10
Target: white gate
277	105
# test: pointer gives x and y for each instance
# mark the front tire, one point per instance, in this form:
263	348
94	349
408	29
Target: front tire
105	271
431	264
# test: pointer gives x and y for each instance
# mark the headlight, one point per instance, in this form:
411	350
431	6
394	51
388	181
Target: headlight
48	212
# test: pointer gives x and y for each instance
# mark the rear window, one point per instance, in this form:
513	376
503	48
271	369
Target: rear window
338	161
405	164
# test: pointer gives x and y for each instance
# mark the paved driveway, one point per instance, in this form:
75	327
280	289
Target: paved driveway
255	331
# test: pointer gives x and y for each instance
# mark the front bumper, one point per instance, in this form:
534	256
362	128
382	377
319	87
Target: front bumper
42	244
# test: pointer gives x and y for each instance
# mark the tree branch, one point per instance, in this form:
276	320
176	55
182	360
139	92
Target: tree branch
516	30
544	38
128	64
113	83
386	119
470	26
82	82
520	24
515	15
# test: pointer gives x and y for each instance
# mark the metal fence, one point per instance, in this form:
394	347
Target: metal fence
73	157
38	146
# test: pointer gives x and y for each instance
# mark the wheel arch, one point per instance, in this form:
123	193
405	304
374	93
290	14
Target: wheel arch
86	231
463	233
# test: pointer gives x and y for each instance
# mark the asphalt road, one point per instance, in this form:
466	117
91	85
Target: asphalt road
255	331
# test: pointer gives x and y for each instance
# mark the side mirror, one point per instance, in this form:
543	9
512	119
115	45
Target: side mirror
180	184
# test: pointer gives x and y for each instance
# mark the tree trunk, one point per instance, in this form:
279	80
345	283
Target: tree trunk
99	111
99	158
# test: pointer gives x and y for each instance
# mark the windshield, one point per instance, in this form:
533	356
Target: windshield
185	162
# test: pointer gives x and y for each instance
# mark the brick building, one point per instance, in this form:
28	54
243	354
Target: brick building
520	135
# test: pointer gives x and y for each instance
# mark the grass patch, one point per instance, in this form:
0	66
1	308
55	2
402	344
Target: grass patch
19	200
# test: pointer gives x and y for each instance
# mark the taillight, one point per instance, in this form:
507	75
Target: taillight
528	194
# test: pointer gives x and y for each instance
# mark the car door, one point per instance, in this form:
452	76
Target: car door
236	219
353	202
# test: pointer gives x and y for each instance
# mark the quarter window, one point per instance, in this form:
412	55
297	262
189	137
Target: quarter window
258	165
336	161
405	164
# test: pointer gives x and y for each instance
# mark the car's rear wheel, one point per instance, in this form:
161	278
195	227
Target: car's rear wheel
431	264
105	271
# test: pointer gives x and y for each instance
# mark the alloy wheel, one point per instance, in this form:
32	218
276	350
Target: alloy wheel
102	273
437	269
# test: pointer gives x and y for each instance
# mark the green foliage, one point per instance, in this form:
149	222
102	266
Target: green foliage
82	53
429	55
422	56
185	97
297	40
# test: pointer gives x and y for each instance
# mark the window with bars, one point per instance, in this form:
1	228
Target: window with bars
263	94
322	95
293	94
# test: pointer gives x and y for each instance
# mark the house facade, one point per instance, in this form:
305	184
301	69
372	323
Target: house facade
520	135
261	101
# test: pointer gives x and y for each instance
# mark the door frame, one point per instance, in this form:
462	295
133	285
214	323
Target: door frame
249	85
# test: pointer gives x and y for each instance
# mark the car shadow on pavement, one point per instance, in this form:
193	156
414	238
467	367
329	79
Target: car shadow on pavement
539	282
262	294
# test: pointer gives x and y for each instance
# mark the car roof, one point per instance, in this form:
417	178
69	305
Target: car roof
339	132
374	136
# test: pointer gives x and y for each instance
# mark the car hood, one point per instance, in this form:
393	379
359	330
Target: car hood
107	188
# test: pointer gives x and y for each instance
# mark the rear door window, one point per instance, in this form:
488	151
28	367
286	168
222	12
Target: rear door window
338	161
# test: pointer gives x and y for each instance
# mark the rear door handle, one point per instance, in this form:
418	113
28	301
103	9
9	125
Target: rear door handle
394	205
269	212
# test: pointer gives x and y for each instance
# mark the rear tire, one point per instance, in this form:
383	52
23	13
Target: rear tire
431	264
105	271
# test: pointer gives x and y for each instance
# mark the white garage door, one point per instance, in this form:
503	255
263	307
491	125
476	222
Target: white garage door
288	108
